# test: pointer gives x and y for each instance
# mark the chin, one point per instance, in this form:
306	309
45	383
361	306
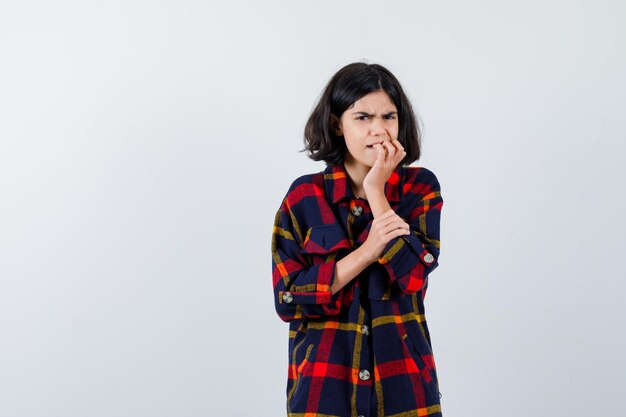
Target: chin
369	162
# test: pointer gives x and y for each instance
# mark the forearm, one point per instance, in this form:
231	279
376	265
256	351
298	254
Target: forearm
354	263
378	202
347	268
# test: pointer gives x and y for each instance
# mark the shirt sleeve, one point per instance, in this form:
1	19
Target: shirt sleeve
409	259
302	287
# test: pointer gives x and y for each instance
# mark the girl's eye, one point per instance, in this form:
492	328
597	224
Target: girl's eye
386	117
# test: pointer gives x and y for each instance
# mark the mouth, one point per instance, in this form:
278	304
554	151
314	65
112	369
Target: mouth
372	145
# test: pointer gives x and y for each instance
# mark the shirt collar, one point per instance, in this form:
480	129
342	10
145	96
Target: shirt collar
337	187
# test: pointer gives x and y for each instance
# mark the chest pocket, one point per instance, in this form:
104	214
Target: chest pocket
325	239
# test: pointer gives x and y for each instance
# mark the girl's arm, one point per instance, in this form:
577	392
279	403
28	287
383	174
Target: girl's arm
375	245
302	288
349	267
409	259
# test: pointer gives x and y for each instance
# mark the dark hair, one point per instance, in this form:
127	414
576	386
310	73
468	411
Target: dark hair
348	85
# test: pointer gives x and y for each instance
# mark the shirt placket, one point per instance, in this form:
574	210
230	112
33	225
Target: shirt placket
358	217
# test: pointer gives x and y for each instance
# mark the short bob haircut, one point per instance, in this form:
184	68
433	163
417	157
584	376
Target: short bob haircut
348	85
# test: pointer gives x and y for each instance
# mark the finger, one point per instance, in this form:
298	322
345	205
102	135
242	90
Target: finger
388	155
385	215
394	221
380	155
399	154
400	232
390	148
396	231
399	157
397	144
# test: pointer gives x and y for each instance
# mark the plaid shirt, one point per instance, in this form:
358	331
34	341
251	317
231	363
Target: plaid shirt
365	350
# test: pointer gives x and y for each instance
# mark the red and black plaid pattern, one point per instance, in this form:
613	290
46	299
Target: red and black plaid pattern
366	350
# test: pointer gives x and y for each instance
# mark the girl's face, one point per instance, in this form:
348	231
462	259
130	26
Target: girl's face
372	119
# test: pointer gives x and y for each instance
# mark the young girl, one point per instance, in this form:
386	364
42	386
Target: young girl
352	249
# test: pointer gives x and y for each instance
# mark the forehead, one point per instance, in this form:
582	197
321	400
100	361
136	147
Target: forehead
376	100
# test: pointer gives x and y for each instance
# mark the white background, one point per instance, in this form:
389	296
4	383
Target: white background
145	147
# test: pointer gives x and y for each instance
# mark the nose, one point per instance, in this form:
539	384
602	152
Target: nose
377	128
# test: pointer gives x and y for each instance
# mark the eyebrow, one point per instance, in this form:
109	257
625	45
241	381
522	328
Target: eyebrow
363	113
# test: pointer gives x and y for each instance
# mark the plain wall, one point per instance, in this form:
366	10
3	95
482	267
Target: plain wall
145	148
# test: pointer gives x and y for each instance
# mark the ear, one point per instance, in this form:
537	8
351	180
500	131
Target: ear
335	124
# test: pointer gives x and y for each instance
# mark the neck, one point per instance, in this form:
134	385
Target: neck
356	174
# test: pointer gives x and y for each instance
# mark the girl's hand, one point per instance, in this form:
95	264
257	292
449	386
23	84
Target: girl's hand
384	228
389	155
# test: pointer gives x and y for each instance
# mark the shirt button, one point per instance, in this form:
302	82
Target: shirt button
287	297
365	330
428	258
364	374
357	210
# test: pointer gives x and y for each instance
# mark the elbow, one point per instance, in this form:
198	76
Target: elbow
288	313
416	280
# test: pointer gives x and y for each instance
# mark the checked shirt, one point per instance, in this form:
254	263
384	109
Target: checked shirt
365	350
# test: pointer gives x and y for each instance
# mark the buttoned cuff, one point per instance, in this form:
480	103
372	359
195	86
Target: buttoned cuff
314	294
408	262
